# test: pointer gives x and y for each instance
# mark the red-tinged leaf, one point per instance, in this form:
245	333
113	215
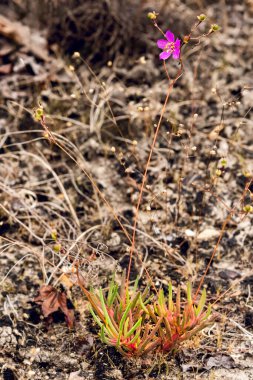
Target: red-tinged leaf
52	300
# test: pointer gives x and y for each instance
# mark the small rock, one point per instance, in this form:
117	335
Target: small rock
208	234
220	361
189	233
114	240
7	337
115	374
228	274
75	376
30	374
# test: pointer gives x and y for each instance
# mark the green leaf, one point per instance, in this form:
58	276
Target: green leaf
170	295
178	300
130	306
137	324
201	303
97	320
136	337
161	300
107	317
136	284
145	292
189	293
111	294
142	304
123	285
126	326
208	312
102	334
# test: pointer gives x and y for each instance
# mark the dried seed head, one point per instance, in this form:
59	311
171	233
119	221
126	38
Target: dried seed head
186	39
76	54
143	60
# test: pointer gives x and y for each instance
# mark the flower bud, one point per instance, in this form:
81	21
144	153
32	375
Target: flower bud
152	15
186	39
54	235
57	247
201	17
248	208
38	113
215	27
218	172
246	174
223	162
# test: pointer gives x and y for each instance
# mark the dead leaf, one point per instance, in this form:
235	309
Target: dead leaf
6	49
5	69
51	300
221	361
214	134
24	36
66	281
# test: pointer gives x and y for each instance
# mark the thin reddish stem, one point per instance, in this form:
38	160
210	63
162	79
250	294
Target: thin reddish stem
146	170
226	221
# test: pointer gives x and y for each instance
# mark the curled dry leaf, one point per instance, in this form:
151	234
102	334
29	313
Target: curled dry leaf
51	300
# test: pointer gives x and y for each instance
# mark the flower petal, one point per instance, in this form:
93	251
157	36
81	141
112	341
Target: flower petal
170	36
176	53
177	43
162	43
164	55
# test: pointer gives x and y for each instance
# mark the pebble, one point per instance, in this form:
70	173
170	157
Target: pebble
228	274
189	233
208	233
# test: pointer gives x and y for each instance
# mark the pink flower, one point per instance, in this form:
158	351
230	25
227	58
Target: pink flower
169	46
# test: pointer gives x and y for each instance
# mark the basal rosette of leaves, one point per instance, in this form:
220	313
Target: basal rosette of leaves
136	322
